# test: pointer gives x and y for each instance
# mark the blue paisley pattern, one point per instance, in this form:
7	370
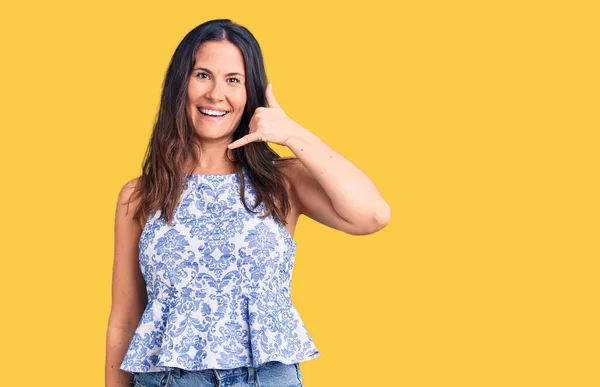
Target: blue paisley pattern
218	283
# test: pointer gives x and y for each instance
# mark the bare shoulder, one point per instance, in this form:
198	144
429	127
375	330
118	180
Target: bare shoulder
128	189
290	167
126	202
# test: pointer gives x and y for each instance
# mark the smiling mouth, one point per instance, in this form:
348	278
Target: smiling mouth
210	115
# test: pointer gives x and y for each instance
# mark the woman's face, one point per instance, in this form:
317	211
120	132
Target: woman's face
218	84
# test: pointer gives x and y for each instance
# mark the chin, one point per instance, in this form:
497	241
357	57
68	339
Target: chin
202	134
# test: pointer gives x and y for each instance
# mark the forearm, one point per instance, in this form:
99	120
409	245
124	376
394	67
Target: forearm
352	193
117	342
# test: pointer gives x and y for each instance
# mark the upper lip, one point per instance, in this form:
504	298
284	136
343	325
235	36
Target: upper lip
212	108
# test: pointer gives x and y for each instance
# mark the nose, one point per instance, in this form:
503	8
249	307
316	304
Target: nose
215	92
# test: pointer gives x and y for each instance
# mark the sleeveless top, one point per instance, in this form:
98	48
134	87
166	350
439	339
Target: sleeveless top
218	282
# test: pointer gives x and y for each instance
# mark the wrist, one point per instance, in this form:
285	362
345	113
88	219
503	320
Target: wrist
297	135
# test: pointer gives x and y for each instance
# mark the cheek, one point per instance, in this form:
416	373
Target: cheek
241	102
239	97
191	110
195	91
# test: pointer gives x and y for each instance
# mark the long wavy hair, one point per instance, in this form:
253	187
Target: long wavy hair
172	142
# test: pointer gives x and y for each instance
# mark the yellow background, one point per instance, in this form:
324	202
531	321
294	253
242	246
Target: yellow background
478	121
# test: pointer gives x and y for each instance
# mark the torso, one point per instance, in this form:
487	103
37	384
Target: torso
222	274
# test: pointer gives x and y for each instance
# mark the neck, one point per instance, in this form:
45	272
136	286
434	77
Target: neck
211	157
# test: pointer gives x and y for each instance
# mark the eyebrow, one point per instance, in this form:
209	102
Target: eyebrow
208	71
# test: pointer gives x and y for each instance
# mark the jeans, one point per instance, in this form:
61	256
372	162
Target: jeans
271	374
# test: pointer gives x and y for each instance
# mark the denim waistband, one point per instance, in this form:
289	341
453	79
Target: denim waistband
220	374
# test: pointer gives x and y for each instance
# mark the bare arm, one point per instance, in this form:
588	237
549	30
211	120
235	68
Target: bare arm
332	190
129	297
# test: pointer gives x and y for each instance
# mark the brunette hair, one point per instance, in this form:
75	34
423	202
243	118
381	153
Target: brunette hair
172	142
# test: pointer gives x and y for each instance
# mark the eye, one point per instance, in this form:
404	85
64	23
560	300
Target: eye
199	75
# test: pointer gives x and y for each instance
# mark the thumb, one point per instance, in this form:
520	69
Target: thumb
270	97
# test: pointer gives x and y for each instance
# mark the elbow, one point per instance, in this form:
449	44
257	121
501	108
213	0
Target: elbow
382	217
378	221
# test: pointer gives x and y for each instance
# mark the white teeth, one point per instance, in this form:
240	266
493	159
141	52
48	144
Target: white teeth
213	112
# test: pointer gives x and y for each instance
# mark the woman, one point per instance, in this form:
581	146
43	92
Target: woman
202	271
